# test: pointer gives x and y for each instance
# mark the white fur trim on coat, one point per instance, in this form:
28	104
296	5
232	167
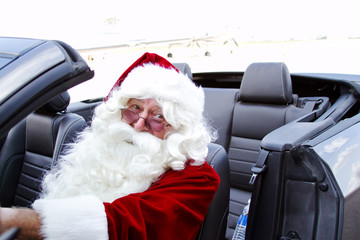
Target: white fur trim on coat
81	217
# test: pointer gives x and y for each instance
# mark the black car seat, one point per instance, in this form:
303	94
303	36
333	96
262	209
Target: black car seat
31	148
266	102
184	68
219	108
215	222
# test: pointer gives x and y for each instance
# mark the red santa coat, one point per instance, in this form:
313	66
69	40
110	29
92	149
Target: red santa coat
172	208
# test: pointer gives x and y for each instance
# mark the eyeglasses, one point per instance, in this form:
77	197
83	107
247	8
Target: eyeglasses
151	122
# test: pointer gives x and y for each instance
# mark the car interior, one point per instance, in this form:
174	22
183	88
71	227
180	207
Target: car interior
243	115
31	148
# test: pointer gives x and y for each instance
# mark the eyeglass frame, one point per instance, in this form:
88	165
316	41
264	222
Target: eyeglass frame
164	124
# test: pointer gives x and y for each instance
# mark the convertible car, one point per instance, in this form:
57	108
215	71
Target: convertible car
289	142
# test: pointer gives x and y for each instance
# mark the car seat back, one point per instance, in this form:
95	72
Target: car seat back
184	68
31	148
219	108
266	102
215	222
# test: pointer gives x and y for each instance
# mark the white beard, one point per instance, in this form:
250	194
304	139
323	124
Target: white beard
109	162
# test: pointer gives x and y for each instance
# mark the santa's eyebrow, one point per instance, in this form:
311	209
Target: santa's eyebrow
135	102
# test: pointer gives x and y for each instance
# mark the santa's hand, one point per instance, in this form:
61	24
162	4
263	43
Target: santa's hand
27	220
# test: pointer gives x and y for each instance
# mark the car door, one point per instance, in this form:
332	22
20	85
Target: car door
32	72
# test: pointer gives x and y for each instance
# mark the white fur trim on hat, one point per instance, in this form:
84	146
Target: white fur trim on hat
73	218
154	81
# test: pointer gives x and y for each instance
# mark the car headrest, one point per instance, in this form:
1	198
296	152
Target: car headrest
266	83
58	103
184	68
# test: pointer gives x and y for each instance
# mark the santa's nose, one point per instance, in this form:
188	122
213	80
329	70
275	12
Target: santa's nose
140	125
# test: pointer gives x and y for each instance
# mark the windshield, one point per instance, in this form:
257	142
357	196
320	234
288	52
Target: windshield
228	35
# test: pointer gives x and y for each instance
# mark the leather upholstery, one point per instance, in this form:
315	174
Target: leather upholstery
265	103
31	148
266	83
243	117
58	103
214	224
219	107
184	68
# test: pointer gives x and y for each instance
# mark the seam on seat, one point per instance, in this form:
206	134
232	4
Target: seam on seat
53	131
282	85
212	157
68	129
22	198
27	187
33	163
57	152
223	219
11	160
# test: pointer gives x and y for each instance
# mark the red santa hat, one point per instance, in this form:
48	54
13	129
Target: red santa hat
146	58
152	76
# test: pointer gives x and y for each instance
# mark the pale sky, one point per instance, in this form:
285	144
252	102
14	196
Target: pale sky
81	22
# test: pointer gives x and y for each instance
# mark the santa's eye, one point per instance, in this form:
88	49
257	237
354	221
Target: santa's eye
158	116
134	107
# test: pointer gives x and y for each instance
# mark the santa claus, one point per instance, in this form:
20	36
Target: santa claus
139	171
